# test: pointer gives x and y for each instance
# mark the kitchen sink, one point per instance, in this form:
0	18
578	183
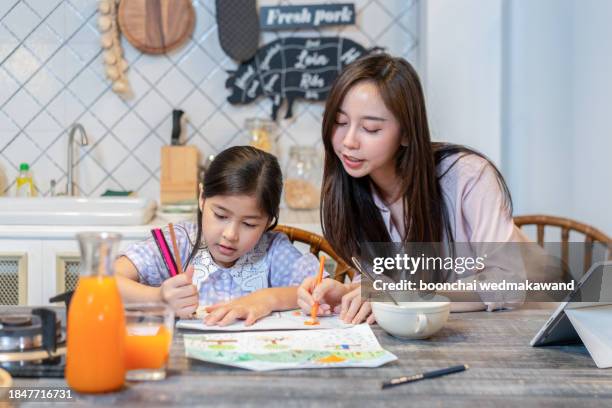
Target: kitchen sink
76	211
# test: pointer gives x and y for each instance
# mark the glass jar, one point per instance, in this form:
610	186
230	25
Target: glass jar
95	342
262	134
303	178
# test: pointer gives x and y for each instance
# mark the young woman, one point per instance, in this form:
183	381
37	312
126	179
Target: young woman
386	181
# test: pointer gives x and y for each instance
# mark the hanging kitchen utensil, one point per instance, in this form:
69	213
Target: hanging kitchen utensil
115	65
238	27
156	26
177	127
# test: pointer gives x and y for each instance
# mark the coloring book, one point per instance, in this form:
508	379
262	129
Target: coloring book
280	350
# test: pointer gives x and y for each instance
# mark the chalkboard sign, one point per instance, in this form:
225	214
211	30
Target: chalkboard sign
292	68
306	16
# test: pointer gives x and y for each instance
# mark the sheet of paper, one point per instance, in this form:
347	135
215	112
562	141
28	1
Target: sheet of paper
288	320
280	350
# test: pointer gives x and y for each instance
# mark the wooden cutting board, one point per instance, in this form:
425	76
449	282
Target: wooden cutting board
156	26
179	174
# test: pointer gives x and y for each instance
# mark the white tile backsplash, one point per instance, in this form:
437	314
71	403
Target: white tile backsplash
90	173
153	108
175	86
131	130
52	75
23	151
88	86
109	151
43	42
8	85
148	153
42	7
65	64
64	20
21	65
44	86
21	20
199	106
21	108
131	174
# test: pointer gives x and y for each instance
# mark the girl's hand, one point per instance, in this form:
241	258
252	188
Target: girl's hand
354	309
328	294
180	294
249	308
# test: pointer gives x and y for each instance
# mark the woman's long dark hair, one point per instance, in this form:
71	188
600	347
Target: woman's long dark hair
243	170
349	215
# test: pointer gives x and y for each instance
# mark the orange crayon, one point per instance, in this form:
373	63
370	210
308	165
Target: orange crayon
315	307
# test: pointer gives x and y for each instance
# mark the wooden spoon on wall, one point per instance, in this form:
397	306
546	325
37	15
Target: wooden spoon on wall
156	26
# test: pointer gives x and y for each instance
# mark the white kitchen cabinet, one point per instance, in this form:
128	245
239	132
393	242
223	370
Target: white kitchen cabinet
34	270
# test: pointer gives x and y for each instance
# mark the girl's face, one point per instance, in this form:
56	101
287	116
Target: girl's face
231	225
367	135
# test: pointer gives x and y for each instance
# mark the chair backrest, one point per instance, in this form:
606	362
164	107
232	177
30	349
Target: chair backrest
591	235
318	244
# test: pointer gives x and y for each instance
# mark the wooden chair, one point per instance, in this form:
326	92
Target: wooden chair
318	244
591	235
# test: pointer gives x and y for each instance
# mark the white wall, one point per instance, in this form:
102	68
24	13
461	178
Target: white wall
592	108
538	122
528	83
461	60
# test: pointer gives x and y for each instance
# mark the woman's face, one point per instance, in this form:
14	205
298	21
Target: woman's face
231	225
366	135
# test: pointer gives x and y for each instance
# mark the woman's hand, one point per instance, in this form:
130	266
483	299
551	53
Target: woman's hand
328	294
249	308
180	294
354	309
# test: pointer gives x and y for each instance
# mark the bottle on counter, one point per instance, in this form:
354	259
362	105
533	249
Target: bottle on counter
95	343
25	186
303	178
262	134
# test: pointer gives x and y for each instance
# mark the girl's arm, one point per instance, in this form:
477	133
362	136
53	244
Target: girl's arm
178	292
131	290
252	307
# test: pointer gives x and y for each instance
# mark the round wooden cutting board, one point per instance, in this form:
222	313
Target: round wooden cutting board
156	26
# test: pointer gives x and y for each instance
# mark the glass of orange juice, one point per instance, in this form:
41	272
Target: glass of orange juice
149	330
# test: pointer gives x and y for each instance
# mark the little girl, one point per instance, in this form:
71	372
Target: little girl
386	181
234	262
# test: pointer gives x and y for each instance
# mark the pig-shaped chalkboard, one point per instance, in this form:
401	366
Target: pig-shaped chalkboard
292	68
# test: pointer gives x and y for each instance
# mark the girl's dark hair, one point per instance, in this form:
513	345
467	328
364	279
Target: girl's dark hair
243	170
349	215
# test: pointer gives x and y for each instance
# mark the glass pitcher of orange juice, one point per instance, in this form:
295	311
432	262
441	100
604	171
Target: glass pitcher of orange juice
95	343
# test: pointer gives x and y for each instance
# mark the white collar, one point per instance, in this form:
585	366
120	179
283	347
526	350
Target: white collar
249	271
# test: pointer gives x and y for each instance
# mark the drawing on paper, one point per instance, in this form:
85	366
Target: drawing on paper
352	347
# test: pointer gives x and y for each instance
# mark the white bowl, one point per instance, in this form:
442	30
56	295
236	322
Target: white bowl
412	320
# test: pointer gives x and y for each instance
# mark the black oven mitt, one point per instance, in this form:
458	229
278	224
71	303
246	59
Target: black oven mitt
238	27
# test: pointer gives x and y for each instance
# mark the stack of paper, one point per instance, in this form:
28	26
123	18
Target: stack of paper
288	320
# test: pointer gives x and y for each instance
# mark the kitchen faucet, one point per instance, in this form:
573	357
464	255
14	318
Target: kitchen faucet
70	167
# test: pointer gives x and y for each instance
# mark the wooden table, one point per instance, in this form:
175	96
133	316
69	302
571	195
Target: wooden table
504	371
